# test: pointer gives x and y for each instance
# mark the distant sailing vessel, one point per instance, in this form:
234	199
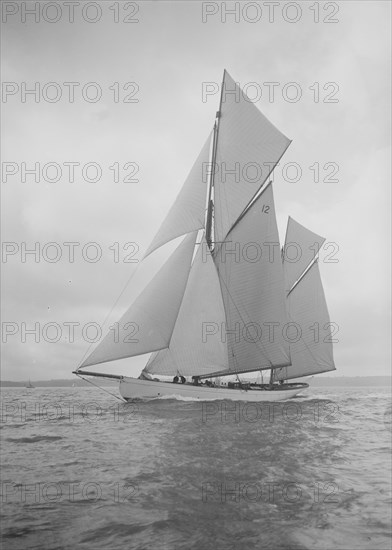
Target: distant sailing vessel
231	301
29	385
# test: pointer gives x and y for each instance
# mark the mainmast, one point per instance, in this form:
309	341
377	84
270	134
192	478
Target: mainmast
210	205
271	381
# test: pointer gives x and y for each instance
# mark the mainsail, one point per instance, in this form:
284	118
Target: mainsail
251	275
248	148
309	331
148	324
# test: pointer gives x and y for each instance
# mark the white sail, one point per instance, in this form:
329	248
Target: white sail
300	248
241	307
251	276
310	331
248	147
148	324
188	211
196	347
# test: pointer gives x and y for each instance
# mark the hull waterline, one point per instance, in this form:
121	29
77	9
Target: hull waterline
134	388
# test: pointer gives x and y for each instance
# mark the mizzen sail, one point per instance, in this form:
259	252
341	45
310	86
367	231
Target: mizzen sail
309	332
300	248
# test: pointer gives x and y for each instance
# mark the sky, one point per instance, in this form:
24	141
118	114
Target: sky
138	113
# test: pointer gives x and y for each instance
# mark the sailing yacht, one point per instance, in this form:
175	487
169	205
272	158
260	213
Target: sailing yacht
229	300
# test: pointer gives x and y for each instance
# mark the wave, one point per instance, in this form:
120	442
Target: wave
34	439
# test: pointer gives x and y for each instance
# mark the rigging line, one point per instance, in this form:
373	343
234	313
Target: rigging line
235	363
285	239
100	388
109	313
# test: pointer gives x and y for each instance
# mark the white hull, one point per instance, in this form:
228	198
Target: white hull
134	388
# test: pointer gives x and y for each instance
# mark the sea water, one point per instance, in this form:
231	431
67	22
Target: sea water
84	470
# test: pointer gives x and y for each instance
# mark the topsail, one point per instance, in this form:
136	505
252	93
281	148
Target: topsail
248	148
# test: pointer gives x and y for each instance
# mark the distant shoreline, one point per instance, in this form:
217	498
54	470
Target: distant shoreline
337	381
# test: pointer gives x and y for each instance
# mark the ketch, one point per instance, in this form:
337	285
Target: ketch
229	300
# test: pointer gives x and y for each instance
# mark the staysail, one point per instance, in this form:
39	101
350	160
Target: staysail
188	211
251	276
309	329
196	346
148	324
248	148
